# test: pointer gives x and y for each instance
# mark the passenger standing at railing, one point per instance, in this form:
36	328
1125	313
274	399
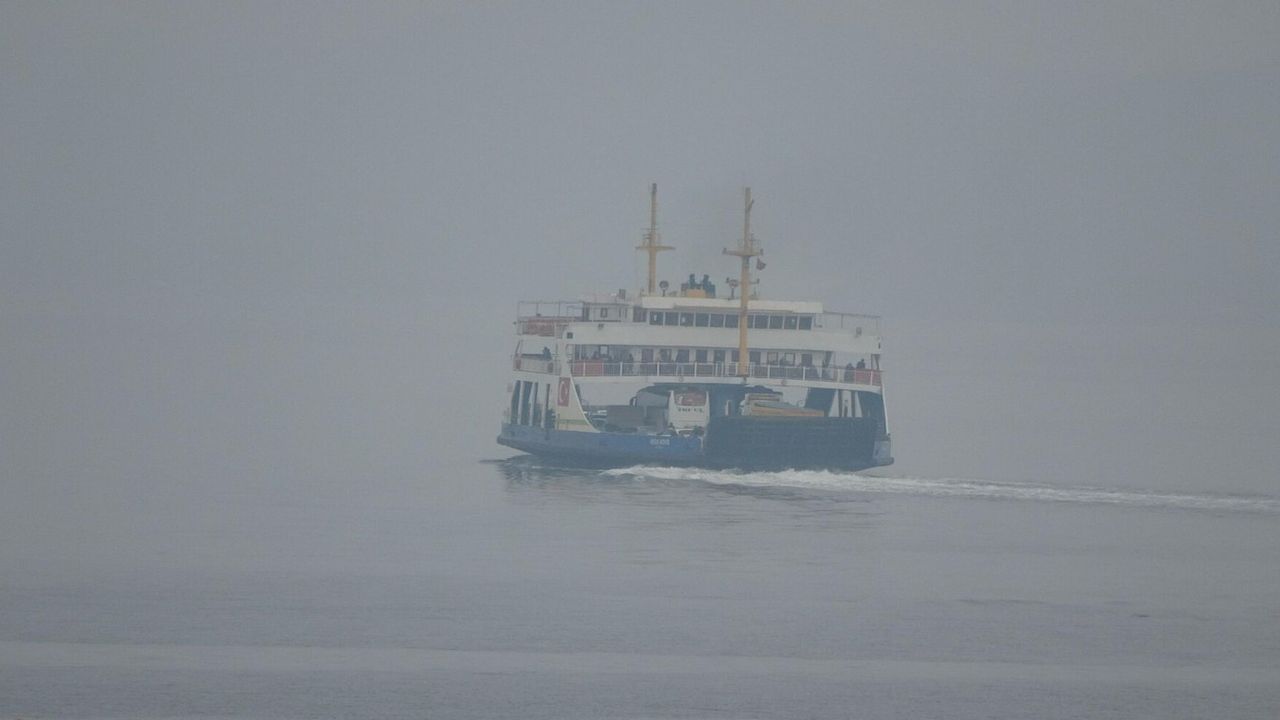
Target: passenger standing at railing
862	364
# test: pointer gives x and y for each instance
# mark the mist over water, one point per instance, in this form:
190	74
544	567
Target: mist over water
259	264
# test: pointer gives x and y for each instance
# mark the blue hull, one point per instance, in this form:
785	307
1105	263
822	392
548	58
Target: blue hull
832	443
603	447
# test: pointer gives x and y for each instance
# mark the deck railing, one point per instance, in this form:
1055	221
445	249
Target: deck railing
536	364
859	324
600	368
549	319
544	326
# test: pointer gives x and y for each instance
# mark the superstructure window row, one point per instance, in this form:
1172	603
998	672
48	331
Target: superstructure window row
631	354
758	321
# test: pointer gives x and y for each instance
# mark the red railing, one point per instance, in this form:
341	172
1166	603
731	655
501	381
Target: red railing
601	368
544	326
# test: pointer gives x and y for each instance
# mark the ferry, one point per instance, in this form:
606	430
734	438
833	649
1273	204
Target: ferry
689	375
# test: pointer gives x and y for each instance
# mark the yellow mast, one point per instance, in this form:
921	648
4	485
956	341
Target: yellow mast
748	250
652	243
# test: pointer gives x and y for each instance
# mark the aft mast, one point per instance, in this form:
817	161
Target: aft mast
746	251
652	242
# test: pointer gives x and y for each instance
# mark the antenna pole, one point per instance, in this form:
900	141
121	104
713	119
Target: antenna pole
651	242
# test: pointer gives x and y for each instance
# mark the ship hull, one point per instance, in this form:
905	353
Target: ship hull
745	443
603	449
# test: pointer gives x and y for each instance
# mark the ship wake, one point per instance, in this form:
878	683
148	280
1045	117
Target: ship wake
826	481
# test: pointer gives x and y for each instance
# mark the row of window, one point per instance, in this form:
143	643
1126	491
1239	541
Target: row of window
604	353
727	320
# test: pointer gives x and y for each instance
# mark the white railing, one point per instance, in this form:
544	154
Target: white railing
550	308
601	368
544	326
858	324
546	318
536	364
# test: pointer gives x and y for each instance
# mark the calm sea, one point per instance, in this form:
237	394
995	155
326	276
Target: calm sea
509	588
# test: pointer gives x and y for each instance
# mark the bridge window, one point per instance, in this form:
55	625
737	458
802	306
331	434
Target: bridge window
686	319
700	320
806	323
775	322
790	322
731	321
717	320
670	318
638	315
757	321
655	318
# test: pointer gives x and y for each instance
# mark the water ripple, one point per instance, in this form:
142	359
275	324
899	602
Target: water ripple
952	487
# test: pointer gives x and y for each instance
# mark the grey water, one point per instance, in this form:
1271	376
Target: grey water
486	587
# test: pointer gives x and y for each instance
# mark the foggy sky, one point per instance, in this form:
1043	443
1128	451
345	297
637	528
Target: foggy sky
250	241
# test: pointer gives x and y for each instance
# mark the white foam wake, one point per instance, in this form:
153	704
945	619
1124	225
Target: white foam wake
950	487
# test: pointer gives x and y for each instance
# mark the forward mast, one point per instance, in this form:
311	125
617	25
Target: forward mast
746	250
652	242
